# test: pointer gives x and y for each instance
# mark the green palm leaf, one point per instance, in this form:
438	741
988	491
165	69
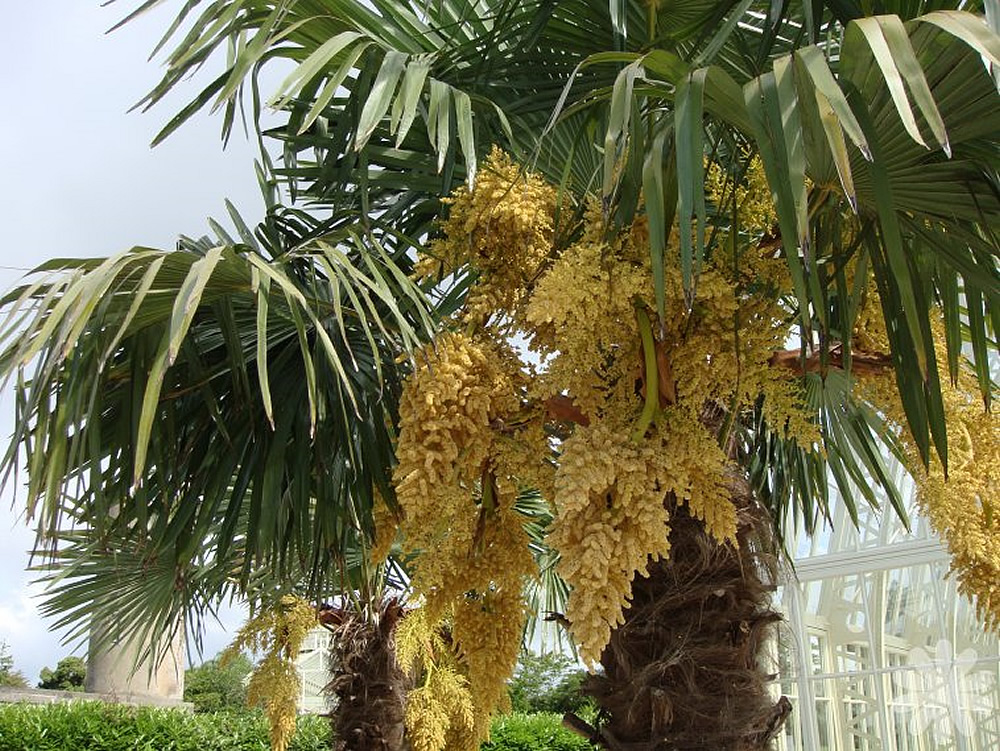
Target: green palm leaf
164	392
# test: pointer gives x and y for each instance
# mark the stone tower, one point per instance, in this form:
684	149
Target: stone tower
113	672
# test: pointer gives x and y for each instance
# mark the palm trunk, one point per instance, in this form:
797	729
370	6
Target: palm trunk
368	684
686	670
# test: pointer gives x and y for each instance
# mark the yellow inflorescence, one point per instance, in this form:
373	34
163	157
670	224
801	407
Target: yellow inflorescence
502	229
278	632
523	453
963	507
457	494
613	518
869	333
386	524
757	278
447	415
475	427
581	311
693	467
784	406
755	206
613	493
446	411
488	627
460	663
440	713
419	641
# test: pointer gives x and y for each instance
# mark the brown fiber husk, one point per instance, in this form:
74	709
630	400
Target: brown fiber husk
368	684
686	671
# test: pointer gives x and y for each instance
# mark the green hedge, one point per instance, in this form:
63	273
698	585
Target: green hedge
92	726
533	732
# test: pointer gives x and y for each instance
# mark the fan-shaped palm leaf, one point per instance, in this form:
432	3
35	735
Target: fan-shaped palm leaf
223	386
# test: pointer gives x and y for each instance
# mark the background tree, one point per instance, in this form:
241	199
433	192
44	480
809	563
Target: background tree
69	675
215	686
8	676
547	682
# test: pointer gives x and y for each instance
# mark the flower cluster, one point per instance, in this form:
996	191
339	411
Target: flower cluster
459	664
614	497
614	488
386	525
581	316
278	633
752	195
488	627
447	412
440	712
611	520
457	499
631	444
501	230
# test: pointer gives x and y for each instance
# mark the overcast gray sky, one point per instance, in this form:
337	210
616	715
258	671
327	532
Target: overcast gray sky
79	179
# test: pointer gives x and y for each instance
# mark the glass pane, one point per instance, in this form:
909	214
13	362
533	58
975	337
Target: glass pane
825	723
860	712
894	658
847	715
978	687
819	661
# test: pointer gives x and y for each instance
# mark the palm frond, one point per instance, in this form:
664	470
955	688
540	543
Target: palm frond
794	482
882	127
218	385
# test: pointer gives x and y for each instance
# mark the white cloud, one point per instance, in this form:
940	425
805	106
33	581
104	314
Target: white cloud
16	614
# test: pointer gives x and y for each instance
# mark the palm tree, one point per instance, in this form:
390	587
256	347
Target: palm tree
214	421
878	140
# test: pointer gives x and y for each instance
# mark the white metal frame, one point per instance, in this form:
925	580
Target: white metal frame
861	660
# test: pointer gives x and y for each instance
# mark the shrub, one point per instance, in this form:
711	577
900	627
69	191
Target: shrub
533	732
214	687
547	683
93	726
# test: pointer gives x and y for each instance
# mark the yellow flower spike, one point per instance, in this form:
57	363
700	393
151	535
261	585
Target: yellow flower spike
278	632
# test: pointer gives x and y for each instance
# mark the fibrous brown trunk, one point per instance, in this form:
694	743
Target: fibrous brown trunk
686	670
368	685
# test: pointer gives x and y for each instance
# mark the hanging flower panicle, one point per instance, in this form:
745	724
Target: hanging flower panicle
278	633
474	428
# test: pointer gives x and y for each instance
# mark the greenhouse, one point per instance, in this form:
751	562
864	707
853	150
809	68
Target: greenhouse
879	652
